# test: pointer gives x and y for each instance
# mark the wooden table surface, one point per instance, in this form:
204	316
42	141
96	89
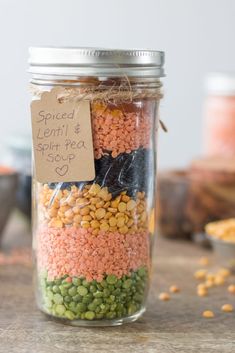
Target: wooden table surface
166	327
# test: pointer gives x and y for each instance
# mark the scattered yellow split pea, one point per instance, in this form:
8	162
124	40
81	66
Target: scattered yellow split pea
202	292
209	283
227	308
224	272
203	261
231	288
219	280
174	289
164	296
200	274
208	314
210	276
202	286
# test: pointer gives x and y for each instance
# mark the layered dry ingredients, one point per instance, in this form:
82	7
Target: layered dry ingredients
119	130
93	238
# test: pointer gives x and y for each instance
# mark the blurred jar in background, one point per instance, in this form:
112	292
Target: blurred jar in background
219	128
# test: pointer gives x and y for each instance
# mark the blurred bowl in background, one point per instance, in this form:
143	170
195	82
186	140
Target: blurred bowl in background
173	193
224	251
221	235
211	193
23	195
8	187
19	157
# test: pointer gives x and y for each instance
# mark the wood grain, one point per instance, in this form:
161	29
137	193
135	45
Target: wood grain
166	327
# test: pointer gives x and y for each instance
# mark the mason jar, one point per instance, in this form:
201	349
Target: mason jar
94	126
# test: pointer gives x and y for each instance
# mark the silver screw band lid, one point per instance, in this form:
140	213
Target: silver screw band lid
95	61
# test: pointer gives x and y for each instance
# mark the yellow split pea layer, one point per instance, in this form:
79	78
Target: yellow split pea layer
93	207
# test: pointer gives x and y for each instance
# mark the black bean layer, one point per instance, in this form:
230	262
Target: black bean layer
129	172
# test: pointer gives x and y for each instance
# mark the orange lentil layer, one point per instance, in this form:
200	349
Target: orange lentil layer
76	252
117	131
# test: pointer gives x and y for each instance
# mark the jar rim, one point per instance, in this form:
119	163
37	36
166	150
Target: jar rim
95	61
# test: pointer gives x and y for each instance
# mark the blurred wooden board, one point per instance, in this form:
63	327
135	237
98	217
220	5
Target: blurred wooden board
166	327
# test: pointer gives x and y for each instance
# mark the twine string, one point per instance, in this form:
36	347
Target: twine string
115	93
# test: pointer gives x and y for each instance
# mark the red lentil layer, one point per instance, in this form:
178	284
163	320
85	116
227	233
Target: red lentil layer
77	252
117	131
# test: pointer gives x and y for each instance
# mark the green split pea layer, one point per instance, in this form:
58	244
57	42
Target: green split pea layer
110	299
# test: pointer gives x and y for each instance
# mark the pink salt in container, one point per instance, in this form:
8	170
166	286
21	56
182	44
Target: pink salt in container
219	114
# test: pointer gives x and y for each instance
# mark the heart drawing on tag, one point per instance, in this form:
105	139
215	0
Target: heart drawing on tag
61	171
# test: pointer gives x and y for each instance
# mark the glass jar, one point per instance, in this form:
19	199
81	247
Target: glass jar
92	239
219	127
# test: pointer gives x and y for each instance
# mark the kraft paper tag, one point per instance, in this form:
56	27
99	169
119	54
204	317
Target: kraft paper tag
62	139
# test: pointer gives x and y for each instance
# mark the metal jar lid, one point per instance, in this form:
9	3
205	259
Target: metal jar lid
68	61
